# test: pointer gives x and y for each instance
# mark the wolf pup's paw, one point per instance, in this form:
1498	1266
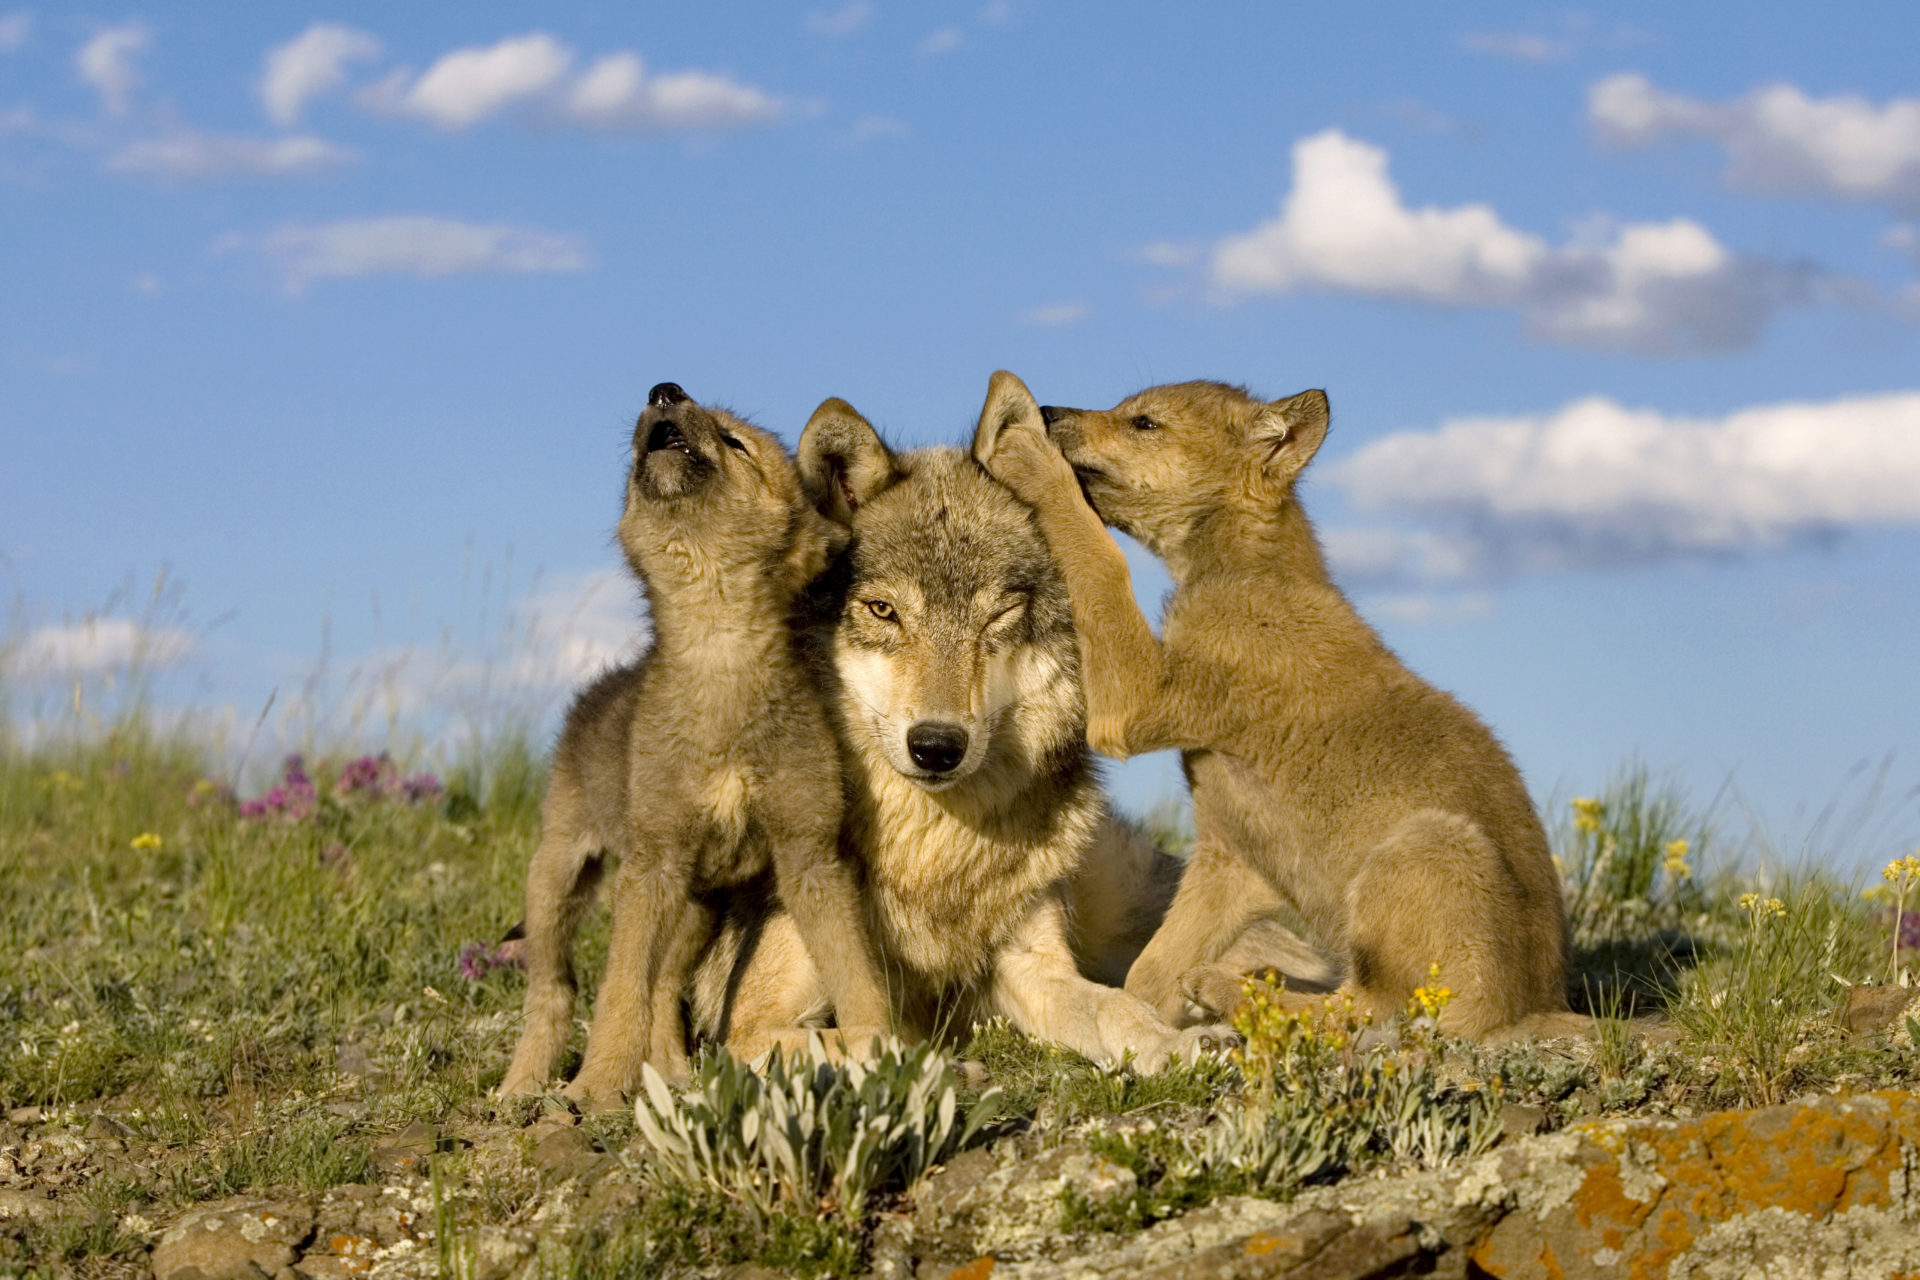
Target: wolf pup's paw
1024	460
1212	1037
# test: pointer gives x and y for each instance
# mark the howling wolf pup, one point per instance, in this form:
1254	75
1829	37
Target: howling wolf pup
697	766
996	881
1381	808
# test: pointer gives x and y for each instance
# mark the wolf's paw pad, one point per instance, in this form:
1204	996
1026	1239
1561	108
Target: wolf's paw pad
1214	1037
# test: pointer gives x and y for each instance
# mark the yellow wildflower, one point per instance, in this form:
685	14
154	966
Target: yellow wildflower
61	780
1675	862
1586	814
147	841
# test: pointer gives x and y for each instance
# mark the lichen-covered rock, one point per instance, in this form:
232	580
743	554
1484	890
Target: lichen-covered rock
1824	1189
236	1239
1815	1189
988	1201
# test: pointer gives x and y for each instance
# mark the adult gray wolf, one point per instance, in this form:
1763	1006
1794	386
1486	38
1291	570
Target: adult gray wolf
698	766
995	880
1380	807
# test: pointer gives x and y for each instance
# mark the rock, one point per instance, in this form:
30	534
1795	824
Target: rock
104	1128
32	1206
1517	1120
1873	1008
569	1153
406	1151
1824	1187
25	1115
236	1239
981	1202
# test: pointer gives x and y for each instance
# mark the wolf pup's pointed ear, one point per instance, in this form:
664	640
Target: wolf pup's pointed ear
843	463
1287	433
1008	403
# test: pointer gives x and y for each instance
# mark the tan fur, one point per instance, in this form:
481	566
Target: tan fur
995	887
698	767
1378	807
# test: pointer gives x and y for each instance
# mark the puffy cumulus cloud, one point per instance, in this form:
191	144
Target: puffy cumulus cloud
1777	138
615	92
94	647
109	64
188	154
414	245
1657	288
469	85
1598	484
313	63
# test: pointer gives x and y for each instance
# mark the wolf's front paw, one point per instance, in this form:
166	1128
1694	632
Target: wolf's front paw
1026	462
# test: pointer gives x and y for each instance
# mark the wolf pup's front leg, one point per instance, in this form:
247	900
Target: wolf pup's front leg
1126	671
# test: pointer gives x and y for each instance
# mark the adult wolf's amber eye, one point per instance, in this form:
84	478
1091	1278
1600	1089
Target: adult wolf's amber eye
1142	422
881	610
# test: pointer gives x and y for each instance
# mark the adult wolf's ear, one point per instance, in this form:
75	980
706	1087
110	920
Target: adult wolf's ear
1009	403
843	464
1287	433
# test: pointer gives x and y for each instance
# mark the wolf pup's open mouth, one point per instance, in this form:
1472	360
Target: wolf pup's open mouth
666	434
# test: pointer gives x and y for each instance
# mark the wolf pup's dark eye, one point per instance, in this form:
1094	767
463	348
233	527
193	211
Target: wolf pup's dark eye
1142	422
734	444
881	610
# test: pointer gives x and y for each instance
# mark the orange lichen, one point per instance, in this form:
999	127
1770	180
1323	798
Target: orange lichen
978	1269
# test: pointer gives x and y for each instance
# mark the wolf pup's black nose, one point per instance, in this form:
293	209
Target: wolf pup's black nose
667	393
937	747
1052	413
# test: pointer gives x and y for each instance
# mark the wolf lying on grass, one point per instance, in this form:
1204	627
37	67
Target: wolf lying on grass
996	881
696	766
1380	807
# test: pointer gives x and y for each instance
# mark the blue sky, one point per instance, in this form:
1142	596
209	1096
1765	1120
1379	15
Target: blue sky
339	317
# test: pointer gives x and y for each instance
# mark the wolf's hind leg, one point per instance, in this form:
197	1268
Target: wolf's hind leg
561	879
1437	892
1264	947
1219	897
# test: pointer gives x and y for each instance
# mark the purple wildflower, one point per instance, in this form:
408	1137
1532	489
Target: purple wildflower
474	961
419	787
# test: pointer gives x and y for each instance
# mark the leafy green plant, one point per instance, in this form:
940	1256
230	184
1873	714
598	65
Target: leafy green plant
810	1131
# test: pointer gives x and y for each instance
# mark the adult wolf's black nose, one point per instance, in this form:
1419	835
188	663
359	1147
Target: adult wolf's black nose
1052	413
936	747
667	393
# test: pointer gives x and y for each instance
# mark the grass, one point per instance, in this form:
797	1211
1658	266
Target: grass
258	1001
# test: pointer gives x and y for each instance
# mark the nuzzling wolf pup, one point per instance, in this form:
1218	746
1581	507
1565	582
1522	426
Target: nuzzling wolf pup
996	881
696	766
1380	807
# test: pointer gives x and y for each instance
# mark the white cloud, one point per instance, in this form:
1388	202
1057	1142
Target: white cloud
1777	139
945	40
1427	606
1660	288
1058	315
15	30
1596	483
107	63
841	22
617	93
313	63
1516	45
998	13
1169	253
468	85
186	154
95	646
409	245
